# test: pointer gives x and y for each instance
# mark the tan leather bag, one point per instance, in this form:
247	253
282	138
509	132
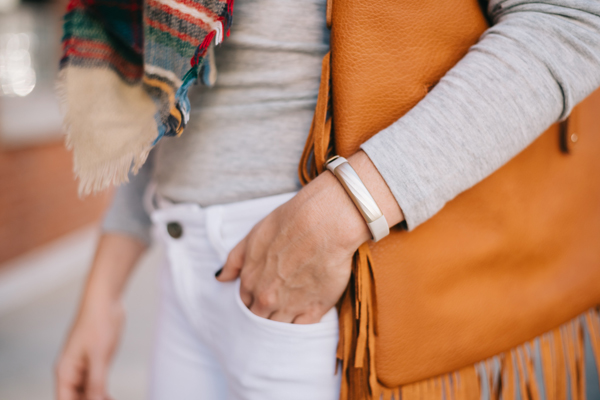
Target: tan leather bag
510	259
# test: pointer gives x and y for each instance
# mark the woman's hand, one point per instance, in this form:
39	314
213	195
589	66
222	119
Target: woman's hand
82	367
295	264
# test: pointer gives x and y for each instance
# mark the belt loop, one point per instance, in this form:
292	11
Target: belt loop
214	222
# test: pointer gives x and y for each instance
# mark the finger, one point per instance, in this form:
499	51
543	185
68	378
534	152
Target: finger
235	261
69	380
282	316
95	388
65	391
308	318
264	304
246	295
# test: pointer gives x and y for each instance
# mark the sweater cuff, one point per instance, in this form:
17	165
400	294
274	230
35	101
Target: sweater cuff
131	228
390	153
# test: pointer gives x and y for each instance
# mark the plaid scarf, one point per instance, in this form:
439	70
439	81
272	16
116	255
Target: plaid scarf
126	69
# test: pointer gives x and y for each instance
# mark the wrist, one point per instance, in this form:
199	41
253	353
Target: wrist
353	225
100	294
377	187
328	201
100	297
360	195
100	308
334	210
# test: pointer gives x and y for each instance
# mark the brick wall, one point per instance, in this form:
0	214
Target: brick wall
38	199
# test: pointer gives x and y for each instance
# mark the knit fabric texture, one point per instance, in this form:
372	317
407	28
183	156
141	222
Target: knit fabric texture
126	69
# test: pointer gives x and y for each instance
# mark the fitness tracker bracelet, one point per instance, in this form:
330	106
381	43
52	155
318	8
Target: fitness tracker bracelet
360	196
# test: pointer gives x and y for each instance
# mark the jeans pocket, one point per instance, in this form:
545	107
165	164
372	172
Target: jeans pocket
329	322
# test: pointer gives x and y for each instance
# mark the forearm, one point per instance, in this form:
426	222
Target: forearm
115	259
82	367
528	71
376	185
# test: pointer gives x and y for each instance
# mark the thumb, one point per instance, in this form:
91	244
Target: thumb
96	383
233	265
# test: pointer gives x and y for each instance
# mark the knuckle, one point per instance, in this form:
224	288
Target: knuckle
266	299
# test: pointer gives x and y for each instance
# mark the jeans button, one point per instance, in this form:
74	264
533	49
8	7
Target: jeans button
174	229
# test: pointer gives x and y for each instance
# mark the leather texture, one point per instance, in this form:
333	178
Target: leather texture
513	257
386	56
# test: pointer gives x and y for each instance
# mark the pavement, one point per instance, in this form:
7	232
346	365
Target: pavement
31	336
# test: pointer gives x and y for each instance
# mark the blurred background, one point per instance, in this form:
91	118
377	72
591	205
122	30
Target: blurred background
48	234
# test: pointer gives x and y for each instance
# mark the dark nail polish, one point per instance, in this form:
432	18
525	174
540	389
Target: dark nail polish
218	273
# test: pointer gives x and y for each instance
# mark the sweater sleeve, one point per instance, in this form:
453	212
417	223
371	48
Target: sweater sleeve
529	69
126	213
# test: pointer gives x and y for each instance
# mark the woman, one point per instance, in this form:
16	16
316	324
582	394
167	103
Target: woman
223	198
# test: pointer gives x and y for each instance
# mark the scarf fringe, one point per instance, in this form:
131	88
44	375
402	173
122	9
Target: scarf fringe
97	177
104	155
113	173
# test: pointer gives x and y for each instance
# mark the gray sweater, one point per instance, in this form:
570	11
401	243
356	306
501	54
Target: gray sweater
538	60
246	134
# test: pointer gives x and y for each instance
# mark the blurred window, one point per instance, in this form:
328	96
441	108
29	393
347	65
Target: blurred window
29	54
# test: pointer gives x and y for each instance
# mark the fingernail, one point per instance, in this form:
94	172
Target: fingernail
218	273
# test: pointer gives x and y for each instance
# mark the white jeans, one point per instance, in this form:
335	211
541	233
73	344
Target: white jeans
209	345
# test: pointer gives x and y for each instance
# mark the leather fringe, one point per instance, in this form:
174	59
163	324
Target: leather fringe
318	143
550	367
